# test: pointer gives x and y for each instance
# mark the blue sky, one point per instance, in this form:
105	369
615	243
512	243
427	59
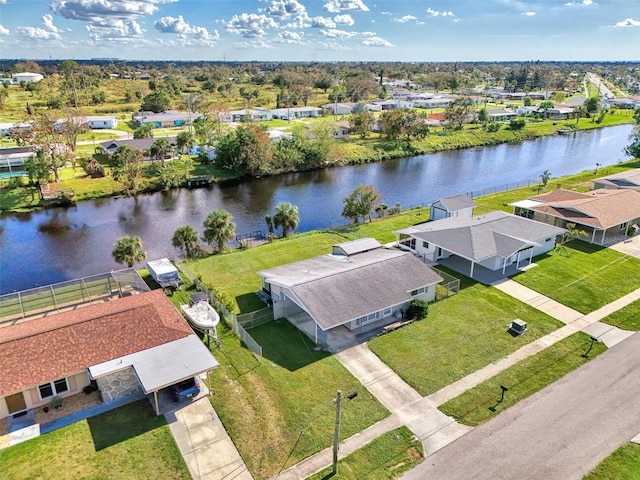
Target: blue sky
321	30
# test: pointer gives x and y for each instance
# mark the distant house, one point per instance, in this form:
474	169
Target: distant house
6	128
98	122
339	108
296	112
454	206
143	144
169	118
493	241
344	128
135	345
501	114
360	286
629	179
605	215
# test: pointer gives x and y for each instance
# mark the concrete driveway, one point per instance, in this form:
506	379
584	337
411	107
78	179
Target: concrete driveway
562	432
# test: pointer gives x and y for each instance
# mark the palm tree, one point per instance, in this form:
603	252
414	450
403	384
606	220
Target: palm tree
185	140
544	178
286	217
218	228
580	111
128	250
159	148
186	239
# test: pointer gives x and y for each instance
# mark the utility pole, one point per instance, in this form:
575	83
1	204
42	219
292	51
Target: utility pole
336	434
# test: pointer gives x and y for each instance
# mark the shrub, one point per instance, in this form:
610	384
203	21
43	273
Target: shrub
493	127
92	168
417	309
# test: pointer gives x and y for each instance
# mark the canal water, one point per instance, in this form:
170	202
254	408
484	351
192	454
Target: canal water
59	244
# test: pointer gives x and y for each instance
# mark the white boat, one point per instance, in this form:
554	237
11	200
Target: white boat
201	315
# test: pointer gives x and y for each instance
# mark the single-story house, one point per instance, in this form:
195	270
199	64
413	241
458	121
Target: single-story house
169	118
248	115
289	113
143	144
453	206
344	127
493	241
560	112
500	114
605	215
360	285
96	122
340	108
133	344
6	128
628	179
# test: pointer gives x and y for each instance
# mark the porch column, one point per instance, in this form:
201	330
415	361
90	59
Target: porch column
603	234
593	236
155	398
316	332
472	265
504	265
531	256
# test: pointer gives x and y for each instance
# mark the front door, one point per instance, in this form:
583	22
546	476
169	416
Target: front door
16	403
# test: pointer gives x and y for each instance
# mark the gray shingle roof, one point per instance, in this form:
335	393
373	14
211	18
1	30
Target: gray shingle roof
335	290
356	246
478	238
457	202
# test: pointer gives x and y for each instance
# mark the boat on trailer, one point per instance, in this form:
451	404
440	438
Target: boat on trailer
202	316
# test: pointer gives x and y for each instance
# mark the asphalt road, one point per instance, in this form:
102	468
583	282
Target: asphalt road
561	432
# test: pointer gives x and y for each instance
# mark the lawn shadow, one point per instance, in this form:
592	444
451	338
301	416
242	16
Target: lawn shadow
283	344
249	302
122	424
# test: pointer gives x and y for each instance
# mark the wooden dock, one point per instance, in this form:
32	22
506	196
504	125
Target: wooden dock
199	181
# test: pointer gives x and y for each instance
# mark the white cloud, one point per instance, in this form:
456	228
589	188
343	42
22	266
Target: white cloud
113	20
405	19
189	34
2	2
529	14
628	22
289	9
337	6
377	42
3	30
253	44
345	19
49	32
322	22
385	13
335	33
291	37
250	25
585	3
438	13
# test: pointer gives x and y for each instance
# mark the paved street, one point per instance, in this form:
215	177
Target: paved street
562	432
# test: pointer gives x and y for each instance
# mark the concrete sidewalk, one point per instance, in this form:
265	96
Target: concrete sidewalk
204	443
420	415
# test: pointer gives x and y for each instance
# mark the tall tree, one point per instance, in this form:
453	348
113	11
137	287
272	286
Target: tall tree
633	149
127	165
185	140
458	112
286	217
362	123
144	131
218	228
159	149
186	239
128	250
360	203
246	150
545	106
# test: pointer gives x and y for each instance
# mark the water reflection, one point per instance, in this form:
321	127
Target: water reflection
77	241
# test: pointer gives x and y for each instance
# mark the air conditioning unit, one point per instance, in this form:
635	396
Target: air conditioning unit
518	326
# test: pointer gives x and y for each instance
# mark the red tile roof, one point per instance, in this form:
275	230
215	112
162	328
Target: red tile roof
597	208
66	343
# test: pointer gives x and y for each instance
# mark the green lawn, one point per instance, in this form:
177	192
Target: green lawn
481	403
624	463
387	457
585	277
281	411
130	442
460	335
235	272
627	318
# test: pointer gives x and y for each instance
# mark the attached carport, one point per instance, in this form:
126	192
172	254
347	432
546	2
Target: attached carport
162	366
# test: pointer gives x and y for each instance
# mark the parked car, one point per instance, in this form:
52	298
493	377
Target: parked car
185	389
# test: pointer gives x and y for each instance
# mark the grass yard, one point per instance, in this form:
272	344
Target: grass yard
585	277
387	457
130	442
281	411
624	463
235	272
461	334
627	318
481	403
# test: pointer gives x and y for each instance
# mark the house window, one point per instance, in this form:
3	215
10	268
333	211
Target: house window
425	244
373	316
51	389
547	239
386	312
419	291
361	320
